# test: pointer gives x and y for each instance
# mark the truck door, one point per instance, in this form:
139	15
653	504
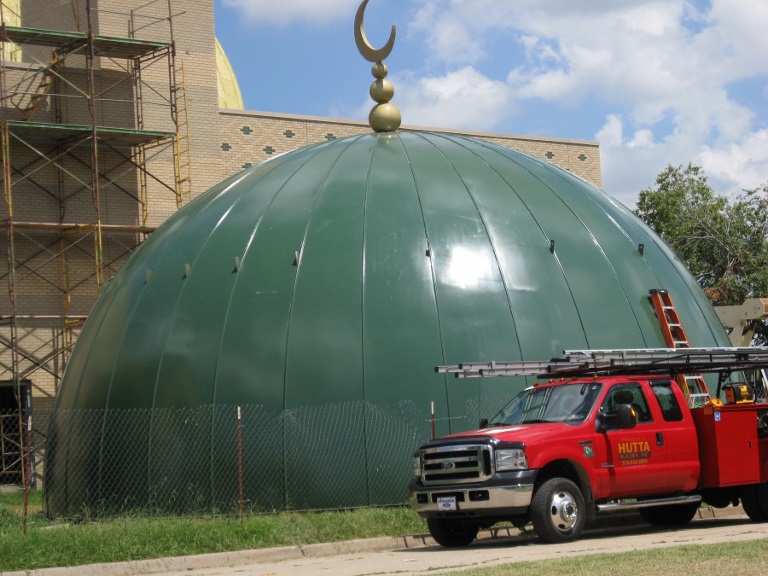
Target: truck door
678	434
635	460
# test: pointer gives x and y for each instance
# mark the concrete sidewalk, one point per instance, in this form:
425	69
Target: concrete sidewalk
324	550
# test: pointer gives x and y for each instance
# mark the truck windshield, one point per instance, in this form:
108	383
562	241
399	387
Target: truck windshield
567	403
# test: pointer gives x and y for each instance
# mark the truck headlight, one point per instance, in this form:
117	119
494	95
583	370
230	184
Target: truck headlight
417	465
513	459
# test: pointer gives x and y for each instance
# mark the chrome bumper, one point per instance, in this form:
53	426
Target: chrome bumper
424	500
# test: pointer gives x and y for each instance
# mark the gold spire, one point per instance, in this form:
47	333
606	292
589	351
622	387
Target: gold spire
384	117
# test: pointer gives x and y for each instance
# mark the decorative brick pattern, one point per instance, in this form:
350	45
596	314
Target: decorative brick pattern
226	147
289	134
246	130
580	157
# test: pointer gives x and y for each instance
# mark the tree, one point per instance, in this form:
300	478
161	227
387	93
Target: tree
722	241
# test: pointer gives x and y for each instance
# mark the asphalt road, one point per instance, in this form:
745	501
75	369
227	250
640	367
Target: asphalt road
419	556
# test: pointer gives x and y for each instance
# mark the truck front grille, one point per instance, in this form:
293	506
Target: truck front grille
456	464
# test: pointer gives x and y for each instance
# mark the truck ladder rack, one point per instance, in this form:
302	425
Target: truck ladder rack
672	361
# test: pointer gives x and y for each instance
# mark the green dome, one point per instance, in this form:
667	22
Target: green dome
318	290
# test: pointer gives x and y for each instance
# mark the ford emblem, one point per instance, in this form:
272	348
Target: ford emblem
448	465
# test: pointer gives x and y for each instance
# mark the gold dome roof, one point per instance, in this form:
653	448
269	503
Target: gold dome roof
229	89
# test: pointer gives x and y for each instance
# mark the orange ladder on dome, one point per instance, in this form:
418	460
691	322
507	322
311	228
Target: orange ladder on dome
694	386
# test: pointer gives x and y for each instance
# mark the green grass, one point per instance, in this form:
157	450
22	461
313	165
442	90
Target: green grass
51	543
731	559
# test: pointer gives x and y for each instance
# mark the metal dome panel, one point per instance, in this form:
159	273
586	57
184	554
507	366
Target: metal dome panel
339	275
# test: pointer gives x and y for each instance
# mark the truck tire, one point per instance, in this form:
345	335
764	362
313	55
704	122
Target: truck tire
558	511
452	533
671	515
754	500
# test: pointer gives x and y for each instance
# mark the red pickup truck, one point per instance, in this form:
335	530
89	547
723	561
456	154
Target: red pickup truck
564	451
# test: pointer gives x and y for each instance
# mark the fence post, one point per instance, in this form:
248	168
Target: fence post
432	411
27	470
240	460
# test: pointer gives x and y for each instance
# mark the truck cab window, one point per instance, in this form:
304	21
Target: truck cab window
627	394
569	404
670	408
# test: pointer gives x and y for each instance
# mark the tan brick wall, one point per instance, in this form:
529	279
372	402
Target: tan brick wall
62	15
248	138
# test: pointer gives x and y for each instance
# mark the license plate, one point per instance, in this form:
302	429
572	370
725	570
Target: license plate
446	503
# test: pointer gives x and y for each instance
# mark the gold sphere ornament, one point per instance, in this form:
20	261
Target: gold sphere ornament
379	70
385	118
382	91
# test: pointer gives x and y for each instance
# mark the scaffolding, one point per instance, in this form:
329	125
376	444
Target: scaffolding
94	129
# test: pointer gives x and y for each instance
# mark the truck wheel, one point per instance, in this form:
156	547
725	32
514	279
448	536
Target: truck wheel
558	511
672	515
452	533
754	500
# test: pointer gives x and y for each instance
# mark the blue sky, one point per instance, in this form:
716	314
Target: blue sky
656	82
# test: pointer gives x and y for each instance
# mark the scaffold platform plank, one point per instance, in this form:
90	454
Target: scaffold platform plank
105	45
73	228
124	136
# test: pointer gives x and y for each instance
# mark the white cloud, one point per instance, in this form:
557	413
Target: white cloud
632	164
447	36
741	165
741	24
461	99
612	133
641	139
661	70
288	11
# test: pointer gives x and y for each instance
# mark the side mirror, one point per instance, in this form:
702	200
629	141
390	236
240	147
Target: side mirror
624	419
483	423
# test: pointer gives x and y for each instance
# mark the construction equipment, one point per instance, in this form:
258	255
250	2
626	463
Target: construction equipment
740	320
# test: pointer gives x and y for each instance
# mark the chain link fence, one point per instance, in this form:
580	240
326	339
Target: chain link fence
195	461
215	459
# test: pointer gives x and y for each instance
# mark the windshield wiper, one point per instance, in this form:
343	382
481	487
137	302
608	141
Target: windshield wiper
538	421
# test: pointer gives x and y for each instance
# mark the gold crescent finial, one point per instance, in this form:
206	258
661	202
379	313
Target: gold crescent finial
384	117
369	52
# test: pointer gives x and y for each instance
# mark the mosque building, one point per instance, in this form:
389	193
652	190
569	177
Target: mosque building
275	290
